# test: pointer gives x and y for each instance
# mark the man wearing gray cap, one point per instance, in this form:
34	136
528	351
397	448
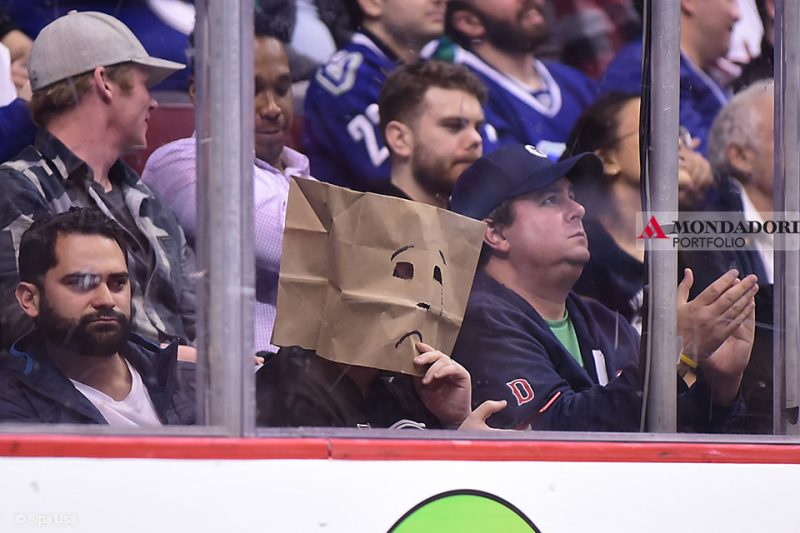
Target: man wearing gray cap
564	362
90	77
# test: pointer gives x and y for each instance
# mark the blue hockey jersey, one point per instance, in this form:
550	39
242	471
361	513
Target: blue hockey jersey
341	135
700	96
544	118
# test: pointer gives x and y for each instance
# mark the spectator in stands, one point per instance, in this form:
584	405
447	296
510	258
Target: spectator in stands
530	101
361	378
615	273
342	133
610	129
89	76
82	364
706	27
591	32
431	118
171	171
560	361
741	150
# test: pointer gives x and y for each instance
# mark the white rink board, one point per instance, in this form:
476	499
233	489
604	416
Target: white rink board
341	496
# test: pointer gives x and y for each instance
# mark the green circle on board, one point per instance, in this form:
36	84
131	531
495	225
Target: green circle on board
464	511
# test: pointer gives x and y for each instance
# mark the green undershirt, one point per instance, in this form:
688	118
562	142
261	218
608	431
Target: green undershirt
565	333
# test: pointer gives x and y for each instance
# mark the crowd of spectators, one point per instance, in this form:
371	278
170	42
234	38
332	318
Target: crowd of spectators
523	114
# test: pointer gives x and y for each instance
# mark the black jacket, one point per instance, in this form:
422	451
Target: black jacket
297	387
33	389
708	265
513	355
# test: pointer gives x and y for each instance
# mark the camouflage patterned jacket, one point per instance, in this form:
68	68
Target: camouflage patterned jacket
47	178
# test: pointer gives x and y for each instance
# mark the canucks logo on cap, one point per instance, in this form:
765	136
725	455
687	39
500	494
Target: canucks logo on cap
534	151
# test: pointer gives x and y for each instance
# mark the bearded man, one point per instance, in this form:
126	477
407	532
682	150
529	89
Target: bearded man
340	133
430	118
82	364
530	101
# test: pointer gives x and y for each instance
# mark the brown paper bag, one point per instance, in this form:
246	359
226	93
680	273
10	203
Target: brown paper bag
364	276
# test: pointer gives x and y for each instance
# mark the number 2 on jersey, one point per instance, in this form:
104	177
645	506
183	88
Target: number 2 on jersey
362	128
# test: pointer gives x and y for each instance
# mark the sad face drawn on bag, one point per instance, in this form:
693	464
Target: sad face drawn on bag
422	276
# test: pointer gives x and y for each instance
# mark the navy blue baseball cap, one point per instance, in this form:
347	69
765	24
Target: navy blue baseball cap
512	171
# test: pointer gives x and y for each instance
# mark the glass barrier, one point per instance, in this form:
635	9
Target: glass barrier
563	266
99	322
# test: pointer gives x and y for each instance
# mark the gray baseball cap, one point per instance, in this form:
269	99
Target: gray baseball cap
80	42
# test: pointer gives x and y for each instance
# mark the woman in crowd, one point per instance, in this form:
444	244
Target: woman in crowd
610	129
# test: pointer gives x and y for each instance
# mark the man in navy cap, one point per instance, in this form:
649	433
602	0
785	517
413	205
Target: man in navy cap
563	362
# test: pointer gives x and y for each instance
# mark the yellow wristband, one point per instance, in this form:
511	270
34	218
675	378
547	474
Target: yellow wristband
688	361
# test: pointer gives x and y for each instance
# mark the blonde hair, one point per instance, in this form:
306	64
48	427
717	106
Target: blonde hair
64	95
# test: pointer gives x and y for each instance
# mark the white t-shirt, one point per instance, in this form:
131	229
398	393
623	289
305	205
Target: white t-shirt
135	410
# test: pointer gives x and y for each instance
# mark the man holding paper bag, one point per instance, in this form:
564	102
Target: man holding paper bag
368	285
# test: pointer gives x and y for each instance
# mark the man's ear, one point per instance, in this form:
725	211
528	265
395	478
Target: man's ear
688	6
101	83
468	23
373	9
399	139
740	158
495	238
28	297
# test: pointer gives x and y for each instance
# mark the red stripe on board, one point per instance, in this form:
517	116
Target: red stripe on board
603	452
394	450
162	447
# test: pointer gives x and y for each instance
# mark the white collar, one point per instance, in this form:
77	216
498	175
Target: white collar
513	85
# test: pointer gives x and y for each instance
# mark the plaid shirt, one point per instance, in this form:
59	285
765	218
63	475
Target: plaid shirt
47	178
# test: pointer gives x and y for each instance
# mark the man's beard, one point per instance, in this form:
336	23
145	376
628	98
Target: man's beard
107	339
511	36
433	175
